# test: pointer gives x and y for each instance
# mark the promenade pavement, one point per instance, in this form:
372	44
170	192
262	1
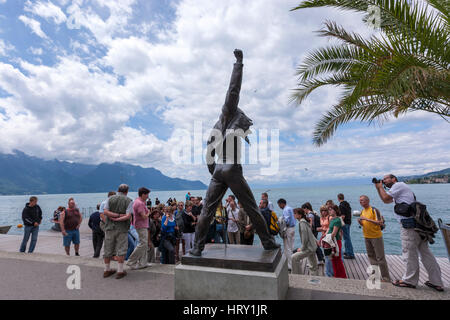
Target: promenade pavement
43	275
29	280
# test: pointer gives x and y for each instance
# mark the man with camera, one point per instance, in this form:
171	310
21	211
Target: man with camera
412	243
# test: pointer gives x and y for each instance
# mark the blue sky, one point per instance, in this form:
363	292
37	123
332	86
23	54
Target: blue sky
103	81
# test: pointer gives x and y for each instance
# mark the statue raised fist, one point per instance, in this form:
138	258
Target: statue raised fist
238	54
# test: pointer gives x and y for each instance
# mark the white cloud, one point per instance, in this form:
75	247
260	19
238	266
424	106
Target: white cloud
73	107
63	2
77	46
36	51
46	10
34	25
193	64
83	15
5	47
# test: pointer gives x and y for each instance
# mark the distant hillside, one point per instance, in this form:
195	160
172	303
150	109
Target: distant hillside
22	174
442	176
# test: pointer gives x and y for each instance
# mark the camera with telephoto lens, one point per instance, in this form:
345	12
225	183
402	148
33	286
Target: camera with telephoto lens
375	180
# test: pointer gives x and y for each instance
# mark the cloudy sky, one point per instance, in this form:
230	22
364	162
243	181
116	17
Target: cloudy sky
102	81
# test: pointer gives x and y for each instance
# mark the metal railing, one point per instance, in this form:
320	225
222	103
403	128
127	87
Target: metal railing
17	212
86	212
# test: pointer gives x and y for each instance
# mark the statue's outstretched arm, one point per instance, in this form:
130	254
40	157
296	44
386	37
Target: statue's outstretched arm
232	99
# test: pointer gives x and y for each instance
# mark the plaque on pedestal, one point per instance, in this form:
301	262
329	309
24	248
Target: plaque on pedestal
237	272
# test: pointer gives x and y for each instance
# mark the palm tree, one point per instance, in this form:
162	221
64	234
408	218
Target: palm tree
405	68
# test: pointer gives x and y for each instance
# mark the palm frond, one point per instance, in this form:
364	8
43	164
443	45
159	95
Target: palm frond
405	69
337	59
306	87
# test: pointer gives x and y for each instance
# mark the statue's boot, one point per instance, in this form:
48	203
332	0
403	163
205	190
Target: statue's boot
195	252
271	244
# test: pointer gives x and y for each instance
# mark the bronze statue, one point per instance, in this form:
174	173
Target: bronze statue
227	172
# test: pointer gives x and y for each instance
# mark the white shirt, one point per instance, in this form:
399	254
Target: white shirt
102	206
270	206
232	214
401	193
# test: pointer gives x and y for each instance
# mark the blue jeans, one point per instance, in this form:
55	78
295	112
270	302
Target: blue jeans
133	240
131	246
347	241
167	252
135	235
220	233
329	272
34	235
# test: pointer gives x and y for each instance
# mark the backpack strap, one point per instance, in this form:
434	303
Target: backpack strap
378	215
237	223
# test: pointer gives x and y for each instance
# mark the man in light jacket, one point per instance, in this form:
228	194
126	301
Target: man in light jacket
309	245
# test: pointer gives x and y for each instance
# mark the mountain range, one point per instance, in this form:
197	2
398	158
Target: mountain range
23	174
427	175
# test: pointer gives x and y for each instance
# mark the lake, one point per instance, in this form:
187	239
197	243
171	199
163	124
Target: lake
435	196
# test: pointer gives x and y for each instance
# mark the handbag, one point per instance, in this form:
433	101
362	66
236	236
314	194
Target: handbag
403	209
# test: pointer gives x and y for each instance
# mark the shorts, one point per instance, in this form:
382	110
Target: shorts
115	243
72	236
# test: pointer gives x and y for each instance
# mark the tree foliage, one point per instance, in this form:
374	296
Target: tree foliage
403	69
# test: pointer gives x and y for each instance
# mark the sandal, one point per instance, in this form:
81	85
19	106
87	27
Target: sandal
437	288
402	284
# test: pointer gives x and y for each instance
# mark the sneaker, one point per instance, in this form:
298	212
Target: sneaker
77	254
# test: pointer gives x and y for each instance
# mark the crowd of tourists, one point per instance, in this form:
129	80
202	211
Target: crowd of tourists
141	233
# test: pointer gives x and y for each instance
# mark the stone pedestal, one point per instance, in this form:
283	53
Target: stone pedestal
239	273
